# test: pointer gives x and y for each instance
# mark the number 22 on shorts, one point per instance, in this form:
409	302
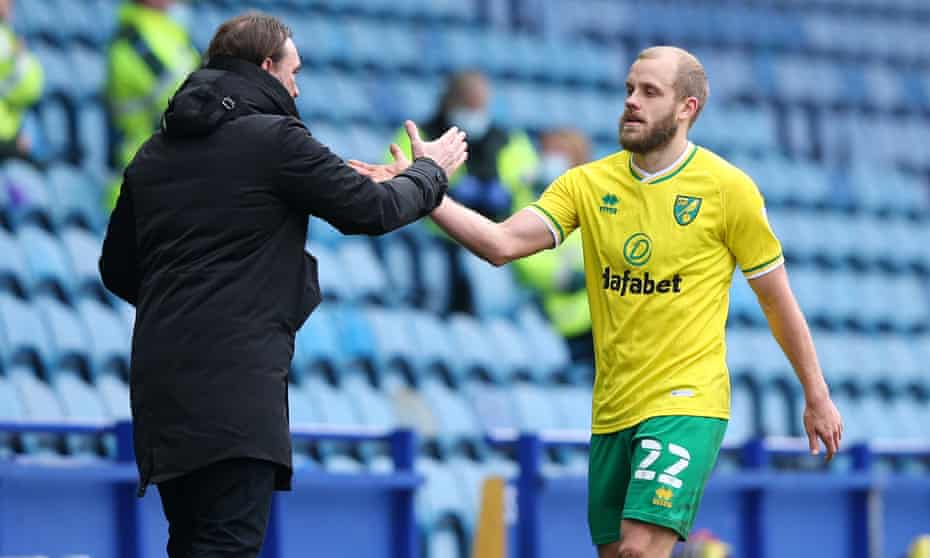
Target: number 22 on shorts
670	475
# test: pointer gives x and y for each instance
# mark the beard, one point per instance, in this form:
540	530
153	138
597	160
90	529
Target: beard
652	138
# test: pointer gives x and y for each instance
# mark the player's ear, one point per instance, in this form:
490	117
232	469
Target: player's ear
689	108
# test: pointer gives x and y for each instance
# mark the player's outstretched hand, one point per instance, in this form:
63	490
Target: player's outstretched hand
449	151
822	421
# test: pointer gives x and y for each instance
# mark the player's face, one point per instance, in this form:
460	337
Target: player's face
286	68
650	119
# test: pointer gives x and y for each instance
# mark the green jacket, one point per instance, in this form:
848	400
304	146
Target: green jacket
147	61
21	81
558	276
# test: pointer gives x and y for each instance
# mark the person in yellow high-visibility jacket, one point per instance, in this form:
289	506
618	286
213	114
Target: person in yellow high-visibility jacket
558	275
21	82
500	162
148	59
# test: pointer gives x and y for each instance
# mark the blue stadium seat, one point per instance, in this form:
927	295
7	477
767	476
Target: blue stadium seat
356	335
59	75
321	232
83	249
399	263
56	127
394	348
90	70
49	267
317	345
775	411
441	496
80	402
40	404
332	274
27	198
435	348
457	420
367	277
23	337
93	136
473	343
67	333
372	406
515	357
572	406
114	393
11	409
109	336
549	349
741	426
444	542
493	406
76	199
14	275
436	276
533	408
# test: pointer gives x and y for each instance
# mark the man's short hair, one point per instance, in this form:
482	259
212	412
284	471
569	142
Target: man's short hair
252	36
690	78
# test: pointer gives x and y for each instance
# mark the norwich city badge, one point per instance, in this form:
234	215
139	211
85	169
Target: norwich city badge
686	209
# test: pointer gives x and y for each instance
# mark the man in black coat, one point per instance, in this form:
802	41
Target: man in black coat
207	241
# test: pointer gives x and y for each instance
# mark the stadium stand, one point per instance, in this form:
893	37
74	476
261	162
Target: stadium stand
824	103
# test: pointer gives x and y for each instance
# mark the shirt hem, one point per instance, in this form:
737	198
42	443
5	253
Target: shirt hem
631	422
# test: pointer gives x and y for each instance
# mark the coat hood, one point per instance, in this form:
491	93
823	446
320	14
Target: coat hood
224	89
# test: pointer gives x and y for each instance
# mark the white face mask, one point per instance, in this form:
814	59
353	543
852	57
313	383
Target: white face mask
551	166
475	122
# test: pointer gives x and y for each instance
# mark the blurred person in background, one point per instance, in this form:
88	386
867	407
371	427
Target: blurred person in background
665	223
558	275
21	81
147	61
207	242
501	163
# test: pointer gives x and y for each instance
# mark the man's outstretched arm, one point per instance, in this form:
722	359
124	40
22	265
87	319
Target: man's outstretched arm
821	418
522	234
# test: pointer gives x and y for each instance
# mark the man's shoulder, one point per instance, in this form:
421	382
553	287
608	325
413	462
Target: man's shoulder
723	172
598	170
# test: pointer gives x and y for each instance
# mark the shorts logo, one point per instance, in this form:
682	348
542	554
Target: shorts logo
686	209
637	249
663	497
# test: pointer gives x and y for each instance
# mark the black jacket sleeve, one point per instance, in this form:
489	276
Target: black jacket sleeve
118	262
314	180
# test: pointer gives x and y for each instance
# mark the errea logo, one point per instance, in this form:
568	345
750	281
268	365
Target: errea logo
610	202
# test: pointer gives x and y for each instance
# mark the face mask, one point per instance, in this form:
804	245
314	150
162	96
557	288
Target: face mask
475	122
551	166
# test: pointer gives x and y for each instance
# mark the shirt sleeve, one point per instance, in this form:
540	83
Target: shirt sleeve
557	208
749	236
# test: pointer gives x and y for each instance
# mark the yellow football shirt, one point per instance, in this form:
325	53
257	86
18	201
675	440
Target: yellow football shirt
660	253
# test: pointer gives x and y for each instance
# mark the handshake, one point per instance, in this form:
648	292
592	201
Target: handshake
449	151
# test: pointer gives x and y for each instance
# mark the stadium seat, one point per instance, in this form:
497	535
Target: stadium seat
493	289
93	137
457	422
436	276
472	343
366	276
11	409
81	403
90	70
49	267
66	332
109	337
76	199
56	127
27	198
39	404
23	337
493	406
115	396
394	347
533	407
440	499
332	274
549	349
83	249
317	345
14	275
435	350
515	357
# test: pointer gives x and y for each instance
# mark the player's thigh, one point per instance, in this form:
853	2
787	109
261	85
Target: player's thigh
672	460
608	478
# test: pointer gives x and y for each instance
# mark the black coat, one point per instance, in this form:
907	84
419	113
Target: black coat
207	241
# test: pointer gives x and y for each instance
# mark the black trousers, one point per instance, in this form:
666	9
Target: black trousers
220	510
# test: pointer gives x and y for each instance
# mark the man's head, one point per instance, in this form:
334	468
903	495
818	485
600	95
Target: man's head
262	40
163	5
666	90
465	103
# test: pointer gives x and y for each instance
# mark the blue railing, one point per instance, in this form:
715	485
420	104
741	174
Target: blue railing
38	515
762	512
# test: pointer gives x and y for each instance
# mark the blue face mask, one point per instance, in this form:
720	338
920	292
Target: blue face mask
551	166
475	122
